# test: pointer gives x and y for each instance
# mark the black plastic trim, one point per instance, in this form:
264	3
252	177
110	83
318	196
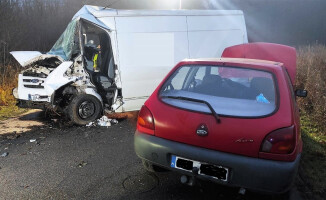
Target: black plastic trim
252	173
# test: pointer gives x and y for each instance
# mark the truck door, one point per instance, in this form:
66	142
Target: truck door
99	61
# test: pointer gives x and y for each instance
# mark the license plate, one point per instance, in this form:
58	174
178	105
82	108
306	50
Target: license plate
205	169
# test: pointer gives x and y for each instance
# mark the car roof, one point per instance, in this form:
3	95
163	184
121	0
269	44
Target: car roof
236	61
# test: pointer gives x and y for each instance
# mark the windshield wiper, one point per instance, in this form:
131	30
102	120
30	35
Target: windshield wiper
218	120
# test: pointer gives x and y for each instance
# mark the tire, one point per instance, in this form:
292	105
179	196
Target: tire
84	109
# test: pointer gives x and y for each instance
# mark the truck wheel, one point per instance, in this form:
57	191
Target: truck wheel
84	109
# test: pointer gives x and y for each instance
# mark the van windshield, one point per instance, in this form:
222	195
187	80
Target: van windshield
68	43
231	91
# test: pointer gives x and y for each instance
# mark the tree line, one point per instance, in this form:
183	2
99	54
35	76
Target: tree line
37	24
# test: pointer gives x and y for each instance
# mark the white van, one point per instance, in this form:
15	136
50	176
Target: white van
112	60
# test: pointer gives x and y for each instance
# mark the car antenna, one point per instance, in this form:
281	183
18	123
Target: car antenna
111	4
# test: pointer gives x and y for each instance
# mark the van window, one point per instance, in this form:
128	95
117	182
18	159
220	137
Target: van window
68	43
97	50
231	91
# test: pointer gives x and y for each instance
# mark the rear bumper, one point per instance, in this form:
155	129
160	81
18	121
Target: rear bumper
251	173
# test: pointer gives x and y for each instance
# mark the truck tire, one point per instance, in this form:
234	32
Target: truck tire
83	109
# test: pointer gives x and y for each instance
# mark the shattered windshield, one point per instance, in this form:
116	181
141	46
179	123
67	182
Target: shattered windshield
68	43
230	91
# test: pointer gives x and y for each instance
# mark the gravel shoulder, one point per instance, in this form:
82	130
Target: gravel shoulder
23	123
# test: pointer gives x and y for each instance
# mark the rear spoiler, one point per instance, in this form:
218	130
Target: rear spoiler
266	51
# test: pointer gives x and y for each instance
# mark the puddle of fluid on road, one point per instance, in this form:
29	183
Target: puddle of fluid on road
140	183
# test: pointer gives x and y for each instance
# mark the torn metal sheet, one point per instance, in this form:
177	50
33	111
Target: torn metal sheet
24	56
57	79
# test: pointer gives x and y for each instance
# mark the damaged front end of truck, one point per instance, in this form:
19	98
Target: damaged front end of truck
78	76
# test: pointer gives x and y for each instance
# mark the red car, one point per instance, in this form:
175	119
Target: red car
233	120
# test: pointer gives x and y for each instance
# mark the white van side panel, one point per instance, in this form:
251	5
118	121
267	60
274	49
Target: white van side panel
203	44
210	35
151	24
219	22
148	48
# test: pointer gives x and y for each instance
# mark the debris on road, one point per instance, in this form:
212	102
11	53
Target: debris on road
12	137
32	140
4	154
82	164
103	121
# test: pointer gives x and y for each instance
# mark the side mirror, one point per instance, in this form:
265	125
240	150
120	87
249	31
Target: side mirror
301	93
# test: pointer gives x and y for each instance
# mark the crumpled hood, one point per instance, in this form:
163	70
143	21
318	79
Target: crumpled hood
26	58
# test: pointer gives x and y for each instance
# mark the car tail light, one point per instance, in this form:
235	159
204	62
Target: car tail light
281	141
145	122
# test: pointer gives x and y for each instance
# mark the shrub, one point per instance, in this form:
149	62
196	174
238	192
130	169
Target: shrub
7	82
311	75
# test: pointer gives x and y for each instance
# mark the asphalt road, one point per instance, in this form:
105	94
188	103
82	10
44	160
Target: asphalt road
71	162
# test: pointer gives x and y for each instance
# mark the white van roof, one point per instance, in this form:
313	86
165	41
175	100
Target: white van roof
98	12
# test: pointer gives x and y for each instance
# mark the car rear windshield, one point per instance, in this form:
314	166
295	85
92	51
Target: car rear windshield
230	91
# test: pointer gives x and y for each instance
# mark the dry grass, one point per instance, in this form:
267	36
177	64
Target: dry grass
8	81
6	97
311	75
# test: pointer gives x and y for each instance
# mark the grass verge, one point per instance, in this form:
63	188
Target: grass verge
313	161
10	111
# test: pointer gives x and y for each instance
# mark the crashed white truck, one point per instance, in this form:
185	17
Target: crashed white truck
111	60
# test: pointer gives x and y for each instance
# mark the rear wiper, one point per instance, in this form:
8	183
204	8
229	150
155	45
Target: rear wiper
218	120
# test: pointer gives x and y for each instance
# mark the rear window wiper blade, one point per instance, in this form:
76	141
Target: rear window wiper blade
218	120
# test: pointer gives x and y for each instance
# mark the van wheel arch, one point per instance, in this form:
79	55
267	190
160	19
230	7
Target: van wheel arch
84	108
63	96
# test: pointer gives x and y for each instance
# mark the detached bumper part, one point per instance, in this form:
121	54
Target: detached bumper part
245	172
32	104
